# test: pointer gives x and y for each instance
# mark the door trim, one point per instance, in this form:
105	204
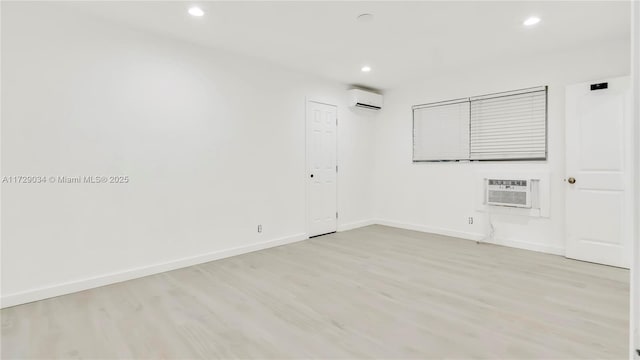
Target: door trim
307	182
634	323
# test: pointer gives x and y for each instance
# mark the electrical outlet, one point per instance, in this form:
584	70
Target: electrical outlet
259	228
470	220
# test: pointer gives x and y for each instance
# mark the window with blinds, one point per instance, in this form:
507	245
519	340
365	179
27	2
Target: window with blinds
504	126
441	131
509	125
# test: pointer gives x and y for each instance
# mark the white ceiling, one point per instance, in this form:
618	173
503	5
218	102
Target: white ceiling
406	41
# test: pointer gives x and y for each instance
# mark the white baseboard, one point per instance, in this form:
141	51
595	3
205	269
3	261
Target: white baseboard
431	229
107	279
355	225
526	245
519	244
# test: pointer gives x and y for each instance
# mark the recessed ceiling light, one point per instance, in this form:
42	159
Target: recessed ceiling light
195	11
366	68
531	21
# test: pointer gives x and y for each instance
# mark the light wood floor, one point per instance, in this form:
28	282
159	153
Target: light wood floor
372	292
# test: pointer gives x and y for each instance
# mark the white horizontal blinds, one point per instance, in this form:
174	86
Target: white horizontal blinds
509	125
441	131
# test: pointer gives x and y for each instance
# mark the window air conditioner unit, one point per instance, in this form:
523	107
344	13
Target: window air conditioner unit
365	99
512	192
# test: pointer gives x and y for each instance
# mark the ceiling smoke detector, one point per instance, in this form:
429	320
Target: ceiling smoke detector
364	17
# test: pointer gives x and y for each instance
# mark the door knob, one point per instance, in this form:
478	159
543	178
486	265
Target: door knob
571	180
311	175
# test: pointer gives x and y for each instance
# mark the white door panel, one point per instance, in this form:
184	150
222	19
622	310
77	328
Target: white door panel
601	125
321	157
591	180
598	157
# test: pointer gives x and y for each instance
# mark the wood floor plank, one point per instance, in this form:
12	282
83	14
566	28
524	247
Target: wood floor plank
373	292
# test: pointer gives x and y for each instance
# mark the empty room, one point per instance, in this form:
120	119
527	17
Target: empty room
320	179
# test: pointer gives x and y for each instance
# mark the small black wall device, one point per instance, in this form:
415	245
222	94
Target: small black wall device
599	86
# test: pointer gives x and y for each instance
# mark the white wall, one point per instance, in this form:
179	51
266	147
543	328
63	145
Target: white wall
213	144
439	197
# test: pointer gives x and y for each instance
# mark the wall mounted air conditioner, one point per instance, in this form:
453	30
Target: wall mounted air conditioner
509	192
365	99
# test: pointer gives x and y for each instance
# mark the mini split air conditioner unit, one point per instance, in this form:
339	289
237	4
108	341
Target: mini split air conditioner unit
365	99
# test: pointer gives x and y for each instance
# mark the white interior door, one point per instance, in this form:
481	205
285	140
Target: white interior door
322	170
598	155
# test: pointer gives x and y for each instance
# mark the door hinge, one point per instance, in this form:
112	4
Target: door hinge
336	168
336	121
336	214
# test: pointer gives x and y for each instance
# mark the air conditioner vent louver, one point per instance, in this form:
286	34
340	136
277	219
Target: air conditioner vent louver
508	197
509	192
368	106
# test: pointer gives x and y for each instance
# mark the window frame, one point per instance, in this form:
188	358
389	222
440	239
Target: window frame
470	99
